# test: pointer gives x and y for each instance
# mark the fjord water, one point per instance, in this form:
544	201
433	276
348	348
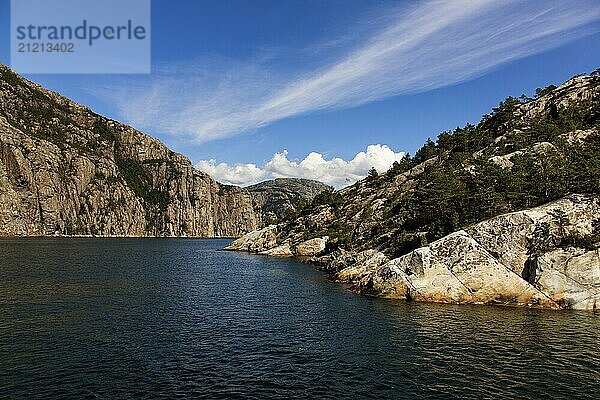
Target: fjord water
162	318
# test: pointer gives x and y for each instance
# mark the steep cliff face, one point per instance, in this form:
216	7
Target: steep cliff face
67	170
530	171
280	197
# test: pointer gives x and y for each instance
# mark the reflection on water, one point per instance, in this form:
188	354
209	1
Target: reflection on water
160	318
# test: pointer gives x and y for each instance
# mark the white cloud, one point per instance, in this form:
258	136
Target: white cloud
335	172
238	174
431	45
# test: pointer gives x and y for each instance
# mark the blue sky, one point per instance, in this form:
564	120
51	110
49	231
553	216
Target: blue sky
239	81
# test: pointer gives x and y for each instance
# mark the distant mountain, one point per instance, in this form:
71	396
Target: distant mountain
281	197
506	212
65	170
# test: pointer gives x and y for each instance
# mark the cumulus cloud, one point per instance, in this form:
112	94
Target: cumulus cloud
335	172
430	45
238	174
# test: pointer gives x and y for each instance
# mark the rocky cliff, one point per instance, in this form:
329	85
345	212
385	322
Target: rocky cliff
65	170
281	197
504	212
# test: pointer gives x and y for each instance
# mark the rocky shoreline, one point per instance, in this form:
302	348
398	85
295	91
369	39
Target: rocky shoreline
503	212
502	261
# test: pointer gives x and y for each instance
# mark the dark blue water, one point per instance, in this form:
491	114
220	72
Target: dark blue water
161	318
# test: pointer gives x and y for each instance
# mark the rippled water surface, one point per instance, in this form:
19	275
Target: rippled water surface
149	318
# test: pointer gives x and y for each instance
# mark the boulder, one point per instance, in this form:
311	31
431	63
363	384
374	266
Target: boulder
312	247
256	241
283	250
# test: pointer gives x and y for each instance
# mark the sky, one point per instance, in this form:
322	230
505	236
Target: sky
327	89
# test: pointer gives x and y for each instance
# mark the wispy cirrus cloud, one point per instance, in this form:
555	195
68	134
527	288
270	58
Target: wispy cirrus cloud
431	45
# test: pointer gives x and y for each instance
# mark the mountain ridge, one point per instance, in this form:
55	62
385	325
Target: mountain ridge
279	197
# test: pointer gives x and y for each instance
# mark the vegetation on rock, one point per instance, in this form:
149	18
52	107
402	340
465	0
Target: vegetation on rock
526	153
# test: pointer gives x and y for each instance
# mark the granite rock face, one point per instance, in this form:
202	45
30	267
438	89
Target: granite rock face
312	247
258	241
65	170
279	197
576	90
264	241
494	262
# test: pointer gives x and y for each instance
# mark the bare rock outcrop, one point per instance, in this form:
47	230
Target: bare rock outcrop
264	241
280	197
257	241
493	263
311	247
